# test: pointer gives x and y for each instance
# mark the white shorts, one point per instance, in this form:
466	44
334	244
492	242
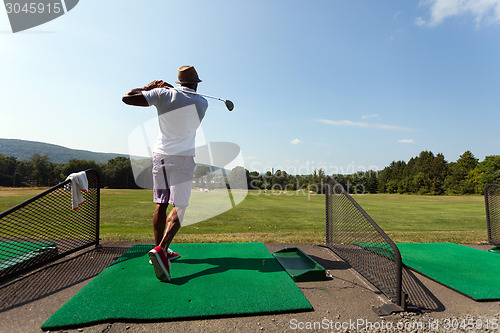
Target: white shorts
172	179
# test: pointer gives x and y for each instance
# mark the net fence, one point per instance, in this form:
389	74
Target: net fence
45	227
492	201
353	235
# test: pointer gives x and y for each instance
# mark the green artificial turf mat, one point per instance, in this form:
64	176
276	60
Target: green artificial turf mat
384	249
15	253
208	280
473	272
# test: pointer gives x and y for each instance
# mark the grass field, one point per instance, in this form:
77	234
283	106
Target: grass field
291	217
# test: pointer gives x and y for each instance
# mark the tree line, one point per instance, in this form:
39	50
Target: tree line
432	174
41	172
423	174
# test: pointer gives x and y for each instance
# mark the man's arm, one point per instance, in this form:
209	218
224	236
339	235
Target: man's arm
135	96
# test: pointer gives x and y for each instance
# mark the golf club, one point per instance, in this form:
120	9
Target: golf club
229	104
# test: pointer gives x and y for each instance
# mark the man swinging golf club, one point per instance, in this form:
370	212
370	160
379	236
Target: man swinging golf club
180	112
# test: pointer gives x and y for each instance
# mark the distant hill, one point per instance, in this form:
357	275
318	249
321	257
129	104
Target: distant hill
23	150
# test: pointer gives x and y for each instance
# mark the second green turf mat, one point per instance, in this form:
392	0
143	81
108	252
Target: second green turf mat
24	253
470	271
209	280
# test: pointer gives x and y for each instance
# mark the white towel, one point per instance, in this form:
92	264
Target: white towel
79	184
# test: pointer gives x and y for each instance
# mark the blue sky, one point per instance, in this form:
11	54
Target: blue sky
338	85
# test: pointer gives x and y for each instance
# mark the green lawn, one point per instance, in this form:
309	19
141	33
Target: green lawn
415	218
11	197
291	217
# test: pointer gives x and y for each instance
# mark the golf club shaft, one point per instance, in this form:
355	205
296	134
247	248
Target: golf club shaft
229	104
195	93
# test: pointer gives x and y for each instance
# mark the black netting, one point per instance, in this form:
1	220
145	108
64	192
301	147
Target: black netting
356	238
45	228
492	200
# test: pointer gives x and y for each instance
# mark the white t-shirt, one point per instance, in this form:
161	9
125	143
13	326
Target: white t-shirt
179	115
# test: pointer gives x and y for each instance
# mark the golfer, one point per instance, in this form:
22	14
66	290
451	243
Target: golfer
179	115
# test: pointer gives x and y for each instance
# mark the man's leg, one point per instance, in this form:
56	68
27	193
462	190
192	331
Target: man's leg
159	221
158	255
173	225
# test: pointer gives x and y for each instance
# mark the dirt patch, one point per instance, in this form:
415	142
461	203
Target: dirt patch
459	237
279	237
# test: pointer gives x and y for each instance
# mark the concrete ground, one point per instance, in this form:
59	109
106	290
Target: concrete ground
341	303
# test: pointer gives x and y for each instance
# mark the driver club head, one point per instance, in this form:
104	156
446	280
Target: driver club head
229	105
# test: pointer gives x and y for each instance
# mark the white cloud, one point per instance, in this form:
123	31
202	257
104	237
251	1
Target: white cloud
364	125
368	116
420	22
480	10
295	141
411	141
